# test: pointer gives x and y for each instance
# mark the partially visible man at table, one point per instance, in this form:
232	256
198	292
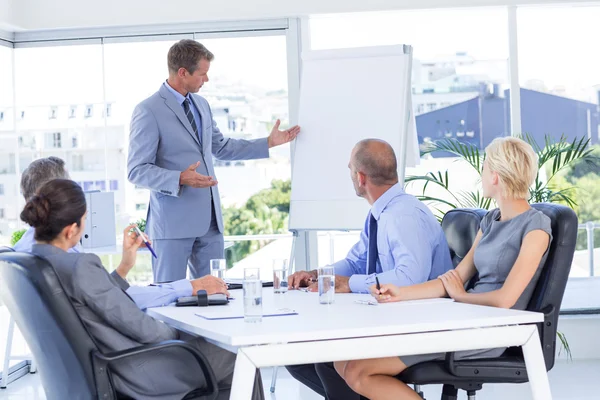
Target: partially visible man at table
46	169
402	243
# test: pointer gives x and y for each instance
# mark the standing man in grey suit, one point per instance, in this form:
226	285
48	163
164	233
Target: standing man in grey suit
171	146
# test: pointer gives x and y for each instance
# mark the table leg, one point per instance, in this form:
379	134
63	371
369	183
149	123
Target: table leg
243	377
7	358
536	367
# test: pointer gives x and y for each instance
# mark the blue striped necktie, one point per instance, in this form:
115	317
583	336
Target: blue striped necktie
373	252
190	117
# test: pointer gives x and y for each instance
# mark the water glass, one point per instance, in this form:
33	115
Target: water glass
326	284
218	267
280	276
252	287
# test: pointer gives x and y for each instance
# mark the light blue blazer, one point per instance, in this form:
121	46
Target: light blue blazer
161	145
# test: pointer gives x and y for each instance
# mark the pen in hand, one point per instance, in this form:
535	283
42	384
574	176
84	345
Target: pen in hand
378	285
139	232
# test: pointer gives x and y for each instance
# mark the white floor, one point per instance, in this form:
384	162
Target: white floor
569	380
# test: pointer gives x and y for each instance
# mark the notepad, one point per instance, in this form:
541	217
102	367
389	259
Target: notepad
224	313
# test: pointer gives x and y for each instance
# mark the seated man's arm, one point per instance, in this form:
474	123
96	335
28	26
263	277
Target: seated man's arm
154	295
159	295
408	259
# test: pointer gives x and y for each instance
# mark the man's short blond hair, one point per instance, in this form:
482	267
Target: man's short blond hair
516	164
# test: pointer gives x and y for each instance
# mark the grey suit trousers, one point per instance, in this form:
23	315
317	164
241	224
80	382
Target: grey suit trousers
174	255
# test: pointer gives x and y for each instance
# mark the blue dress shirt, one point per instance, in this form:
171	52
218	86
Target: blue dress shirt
411	244
180	99
143	296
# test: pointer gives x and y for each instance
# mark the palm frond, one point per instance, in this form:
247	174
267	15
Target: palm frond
564	345
577	150
441	179
436	200
466	151
474	200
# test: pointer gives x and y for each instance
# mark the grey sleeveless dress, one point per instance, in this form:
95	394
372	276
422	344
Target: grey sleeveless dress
494	257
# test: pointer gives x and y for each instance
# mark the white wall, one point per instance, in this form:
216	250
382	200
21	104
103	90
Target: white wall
43	14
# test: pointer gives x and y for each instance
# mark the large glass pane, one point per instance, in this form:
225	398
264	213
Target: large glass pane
8	145
247	92
560	76
59	112
459	78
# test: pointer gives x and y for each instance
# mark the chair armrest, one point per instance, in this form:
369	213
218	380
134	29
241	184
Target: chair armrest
102	361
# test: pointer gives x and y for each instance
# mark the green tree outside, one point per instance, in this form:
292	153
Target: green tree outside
264	213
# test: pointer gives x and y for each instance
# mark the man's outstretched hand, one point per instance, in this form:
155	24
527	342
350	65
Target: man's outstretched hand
278	137
190	177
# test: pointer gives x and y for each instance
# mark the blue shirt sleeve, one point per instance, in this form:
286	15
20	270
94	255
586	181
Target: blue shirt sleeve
159	295
405	254
356	260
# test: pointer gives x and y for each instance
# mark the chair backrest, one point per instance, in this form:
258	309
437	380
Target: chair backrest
548	294
5	249
45	316
460	227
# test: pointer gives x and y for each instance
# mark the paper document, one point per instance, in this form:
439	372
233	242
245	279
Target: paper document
216	313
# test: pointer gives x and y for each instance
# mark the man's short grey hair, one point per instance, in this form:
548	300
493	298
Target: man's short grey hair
376	159
39	172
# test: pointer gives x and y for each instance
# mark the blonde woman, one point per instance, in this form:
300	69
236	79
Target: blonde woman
508	253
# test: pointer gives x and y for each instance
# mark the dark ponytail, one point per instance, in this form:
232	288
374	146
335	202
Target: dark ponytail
57	204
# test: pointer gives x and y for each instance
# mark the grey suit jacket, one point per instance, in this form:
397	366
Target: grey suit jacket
116	323
162	143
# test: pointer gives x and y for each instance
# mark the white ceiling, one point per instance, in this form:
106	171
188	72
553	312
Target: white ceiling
32	15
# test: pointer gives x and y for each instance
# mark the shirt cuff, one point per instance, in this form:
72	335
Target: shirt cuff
360	283
182	287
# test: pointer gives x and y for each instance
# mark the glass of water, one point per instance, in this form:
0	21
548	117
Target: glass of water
218	267
280	276
326	284
252	295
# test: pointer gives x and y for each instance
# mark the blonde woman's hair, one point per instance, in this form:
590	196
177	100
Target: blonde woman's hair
516	164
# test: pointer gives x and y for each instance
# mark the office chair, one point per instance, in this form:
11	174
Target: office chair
470	375
71	365
8	356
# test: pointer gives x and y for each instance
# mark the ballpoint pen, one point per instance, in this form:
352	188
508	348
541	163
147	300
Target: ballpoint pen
139	232
378	286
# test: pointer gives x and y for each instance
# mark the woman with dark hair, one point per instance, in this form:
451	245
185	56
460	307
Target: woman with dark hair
57	212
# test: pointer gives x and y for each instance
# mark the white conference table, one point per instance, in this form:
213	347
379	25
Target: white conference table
346	330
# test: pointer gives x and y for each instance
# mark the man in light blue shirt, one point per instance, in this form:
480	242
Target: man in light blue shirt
408	245
46	169
401	243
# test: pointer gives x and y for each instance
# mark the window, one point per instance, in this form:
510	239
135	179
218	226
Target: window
1	189
56	140
72	111
114	185
53	112
449	63
559	78
89	111
1	213
141	207
77	162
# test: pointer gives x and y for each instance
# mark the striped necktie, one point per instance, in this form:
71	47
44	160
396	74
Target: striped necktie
190	117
